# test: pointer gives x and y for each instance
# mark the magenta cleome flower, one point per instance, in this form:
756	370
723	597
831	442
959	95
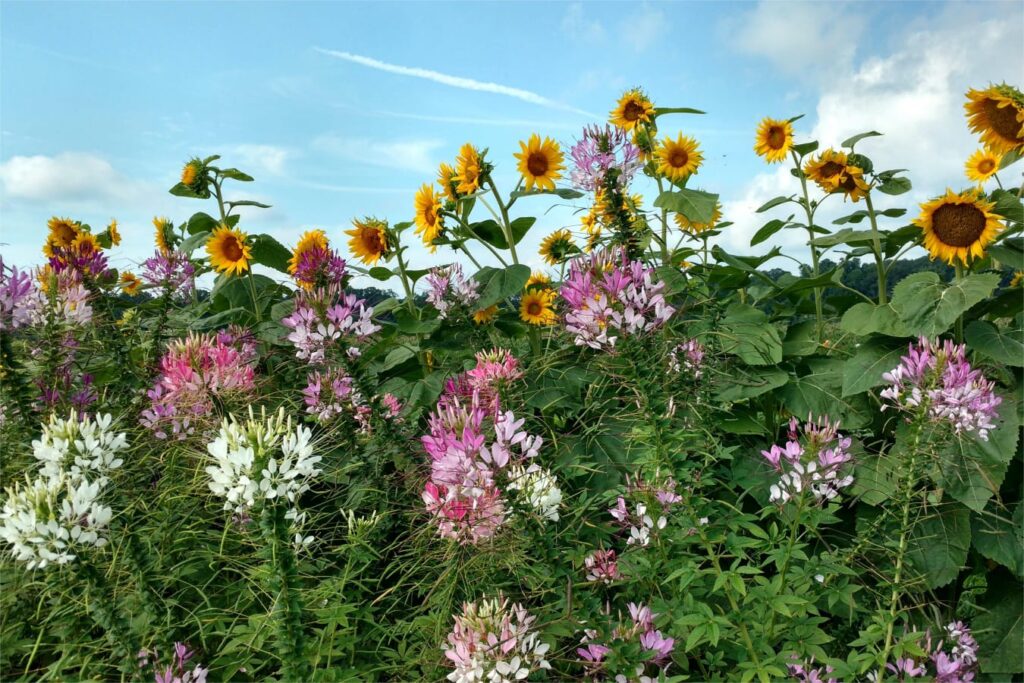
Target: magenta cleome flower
601	151
811	460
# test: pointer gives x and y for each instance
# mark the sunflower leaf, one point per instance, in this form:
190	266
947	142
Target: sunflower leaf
563	192
1009	252
201	222
929	307
805	148
852	141
676	110
268	252
895	185
500	283
771	203
380	273
698	206
768	229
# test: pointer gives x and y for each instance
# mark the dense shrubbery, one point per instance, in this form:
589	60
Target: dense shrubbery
659	461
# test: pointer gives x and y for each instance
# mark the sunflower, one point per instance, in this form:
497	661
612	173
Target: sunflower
428	219
593	240
852	183
540	162
696	228
468	169
446	179
677	159
163	230
63	232
537	307
556	246
774	139
85	244
112	232
589	220
130	283
634	107
982	165
958	226
309	241
485	315
193	175
538	279
826	169
369	240
228	249
997	113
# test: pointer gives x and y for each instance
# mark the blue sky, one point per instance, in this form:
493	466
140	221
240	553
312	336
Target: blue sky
100	103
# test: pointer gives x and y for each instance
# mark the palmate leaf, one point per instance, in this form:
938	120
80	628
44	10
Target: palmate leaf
939	543
819	392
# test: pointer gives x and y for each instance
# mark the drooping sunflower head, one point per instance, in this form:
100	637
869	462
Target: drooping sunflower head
309	241
369	240
590	220
429	222
193	175
634	107
468	170
538	279
485	315
537	307
63	232
982	165
113	234
958	226
446	179
130	283
540	162
229	250
774	139
593	241
826	169
852	183
85	244
997	114
696	228
557	246
678	159
163	234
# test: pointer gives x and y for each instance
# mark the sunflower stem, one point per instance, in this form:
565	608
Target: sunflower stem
255	299
815	266
506	226
959	267
664	226
876	248
477	237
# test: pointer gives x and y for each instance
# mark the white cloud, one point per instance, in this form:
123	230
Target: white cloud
453	81
69	176
914	95
642	28
813	40
254	158
406	155
578	27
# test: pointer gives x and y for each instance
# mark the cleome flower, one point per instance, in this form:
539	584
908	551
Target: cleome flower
939	381
17	297
538	489
450	289
51	518
494	641
604	154
326	318
687	357
171	271
811	460
79	446
260	460
654	645
602	566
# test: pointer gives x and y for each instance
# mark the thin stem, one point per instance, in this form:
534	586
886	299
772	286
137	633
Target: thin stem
794	528
505	224
664	227
960	318
479	239
876	247
255	299
818	316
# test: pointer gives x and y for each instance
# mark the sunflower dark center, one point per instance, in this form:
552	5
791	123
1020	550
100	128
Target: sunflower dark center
373	241
232	249
776	137
678	157
1003	120
830	169
987	166
533	308
849	183
958	225
537	164
632	111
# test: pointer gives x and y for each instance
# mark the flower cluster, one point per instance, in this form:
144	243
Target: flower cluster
261	460
648	499
953	660
319	266
688	357
171	271
810	460
477	451
610	296
17	297
324	317
939	381
653	643
84	448
330	393
604	153
450	288
808	673
197	374
494	641
179	670
602	565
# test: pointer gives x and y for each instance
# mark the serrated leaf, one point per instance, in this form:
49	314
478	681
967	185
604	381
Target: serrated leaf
498	284
1000	538
929	307
268	252
201	222
563	192
854	139
1002	346
939	543
698	206
895	185
380	273
864	370
767	230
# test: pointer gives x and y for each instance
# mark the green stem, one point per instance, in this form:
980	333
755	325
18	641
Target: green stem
960	318
105	614
876	248
506	226
284	583
664	227
815	265
477	237
255	299
794	528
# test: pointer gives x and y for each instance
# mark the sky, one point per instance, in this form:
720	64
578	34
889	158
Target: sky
342	110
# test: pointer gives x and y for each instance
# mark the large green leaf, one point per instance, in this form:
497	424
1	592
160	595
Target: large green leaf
1000	538
498	284
929	307
268	252
1002	346
939	543
970	469
563	192
1009	252
864	370
1000	630
201	222
744	383
820	392
698	206
852	141
747	333
408	323
864	319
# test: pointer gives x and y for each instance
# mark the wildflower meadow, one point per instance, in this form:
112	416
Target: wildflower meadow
653	460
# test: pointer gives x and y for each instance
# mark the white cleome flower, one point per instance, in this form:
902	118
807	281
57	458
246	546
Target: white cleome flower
48	518
538	488
260	460
86	448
